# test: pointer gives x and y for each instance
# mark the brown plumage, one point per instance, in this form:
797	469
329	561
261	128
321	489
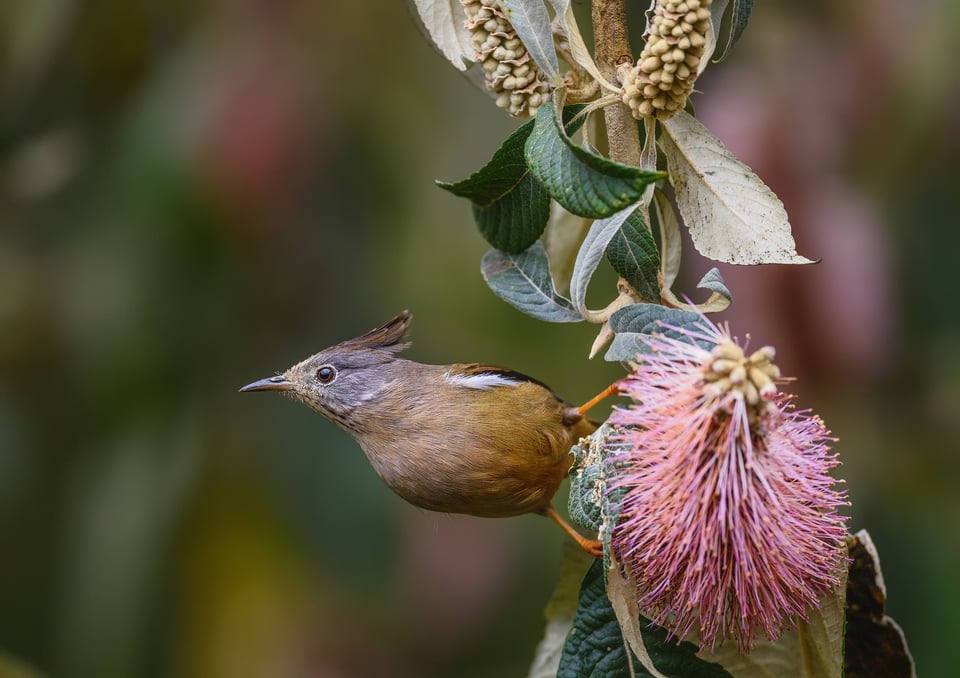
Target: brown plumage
463	438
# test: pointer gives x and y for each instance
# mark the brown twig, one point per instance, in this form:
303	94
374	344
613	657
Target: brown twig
611	46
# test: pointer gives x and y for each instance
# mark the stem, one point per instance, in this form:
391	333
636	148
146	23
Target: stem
611	48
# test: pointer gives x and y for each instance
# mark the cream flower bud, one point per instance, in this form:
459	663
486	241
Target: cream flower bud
509	71
675	44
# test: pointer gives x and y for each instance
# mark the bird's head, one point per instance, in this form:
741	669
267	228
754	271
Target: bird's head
337	381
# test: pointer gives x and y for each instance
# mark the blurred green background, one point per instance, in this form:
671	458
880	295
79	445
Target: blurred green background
195	195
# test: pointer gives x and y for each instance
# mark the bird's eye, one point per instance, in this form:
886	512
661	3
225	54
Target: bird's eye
326	374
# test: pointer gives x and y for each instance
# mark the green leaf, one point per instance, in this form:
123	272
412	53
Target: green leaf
588	503
591	503
632	322
560	610
585	184
523	281
510	206
595	647
591	252
633	255
531	21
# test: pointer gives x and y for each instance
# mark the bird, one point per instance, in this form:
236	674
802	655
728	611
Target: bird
465	438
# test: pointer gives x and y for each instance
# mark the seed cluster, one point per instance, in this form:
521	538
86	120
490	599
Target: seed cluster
508	69
727	368
664	75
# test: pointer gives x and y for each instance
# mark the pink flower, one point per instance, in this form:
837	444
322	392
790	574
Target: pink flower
728	518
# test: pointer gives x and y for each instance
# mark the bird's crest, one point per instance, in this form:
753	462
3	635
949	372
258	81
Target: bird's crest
387	337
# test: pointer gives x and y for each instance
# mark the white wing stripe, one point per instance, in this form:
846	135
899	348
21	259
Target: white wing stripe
481	382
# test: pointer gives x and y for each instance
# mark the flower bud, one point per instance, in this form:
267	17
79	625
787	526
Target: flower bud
509	72
676	40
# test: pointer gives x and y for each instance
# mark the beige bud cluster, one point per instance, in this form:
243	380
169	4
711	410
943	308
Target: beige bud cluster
664	75
509	71
726	368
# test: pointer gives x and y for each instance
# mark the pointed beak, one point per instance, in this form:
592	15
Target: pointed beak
277	383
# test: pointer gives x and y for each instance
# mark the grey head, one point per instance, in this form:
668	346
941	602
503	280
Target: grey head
338	380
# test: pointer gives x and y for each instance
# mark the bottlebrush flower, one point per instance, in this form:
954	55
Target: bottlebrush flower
728	521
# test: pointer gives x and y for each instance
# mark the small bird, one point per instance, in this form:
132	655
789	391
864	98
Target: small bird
463	438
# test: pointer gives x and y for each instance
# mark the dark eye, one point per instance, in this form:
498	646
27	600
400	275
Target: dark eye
326	374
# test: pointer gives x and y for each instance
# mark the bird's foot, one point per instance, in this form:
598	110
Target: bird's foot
592	546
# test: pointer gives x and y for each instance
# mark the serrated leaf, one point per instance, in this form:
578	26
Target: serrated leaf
595	647
632	322
732	215
585	184
589	503
578	49
523	281
592	504
531	21
443	21
560	610
633	255
510	206
646	318
591	252
671	243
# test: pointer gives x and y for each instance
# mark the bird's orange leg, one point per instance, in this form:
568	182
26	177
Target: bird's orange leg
592	546
612	389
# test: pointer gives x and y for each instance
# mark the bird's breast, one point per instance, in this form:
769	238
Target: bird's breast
476	456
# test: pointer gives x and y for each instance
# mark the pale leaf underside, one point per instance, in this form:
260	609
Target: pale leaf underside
732	215
443	21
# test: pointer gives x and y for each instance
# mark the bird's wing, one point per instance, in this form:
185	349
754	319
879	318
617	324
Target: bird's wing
479	375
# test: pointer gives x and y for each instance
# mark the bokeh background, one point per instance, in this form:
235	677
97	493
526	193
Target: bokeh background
195	195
